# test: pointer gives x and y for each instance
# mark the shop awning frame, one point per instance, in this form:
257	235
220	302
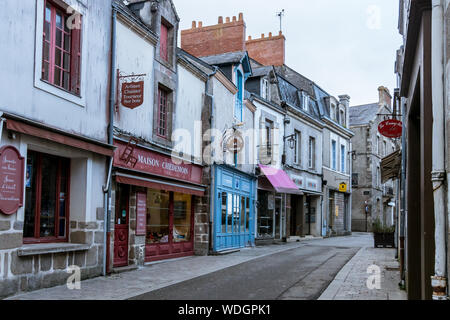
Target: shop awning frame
159	184
280	180
391	166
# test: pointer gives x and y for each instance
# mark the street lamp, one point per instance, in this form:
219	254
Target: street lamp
292	140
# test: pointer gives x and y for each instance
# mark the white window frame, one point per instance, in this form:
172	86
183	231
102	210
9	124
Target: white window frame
334	155
343	158
265	89
312	153
298	148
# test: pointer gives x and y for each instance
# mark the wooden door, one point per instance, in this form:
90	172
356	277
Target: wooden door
121	228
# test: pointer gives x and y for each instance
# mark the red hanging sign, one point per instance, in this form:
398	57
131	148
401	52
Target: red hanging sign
391	128
132	94
141	214
12	170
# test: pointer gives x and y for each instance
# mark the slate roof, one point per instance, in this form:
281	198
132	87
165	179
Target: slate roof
292	95
198	63
261	71
363	114
225	58
296	79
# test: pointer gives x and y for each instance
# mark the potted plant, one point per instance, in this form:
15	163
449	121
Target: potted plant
384	236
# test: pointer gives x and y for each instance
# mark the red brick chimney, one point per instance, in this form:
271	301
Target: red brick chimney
269	50
223	37
385	96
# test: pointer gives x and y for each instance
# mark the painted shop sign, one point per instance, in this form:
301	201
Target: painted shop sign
343	187
391	128
132	94
12	170
158	164
141	214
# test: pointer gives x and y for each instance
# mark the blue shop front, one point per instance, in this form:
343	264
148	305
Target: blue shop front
234	223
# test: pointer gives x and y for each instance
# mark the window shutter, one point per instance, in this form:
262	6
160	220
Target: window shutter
163	42
75	64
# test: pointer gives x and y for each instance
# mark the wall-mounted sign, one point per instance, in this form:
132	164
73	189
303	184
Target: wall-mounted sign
391	128
343	187
233	141
151	162
132	94
141	214
12	171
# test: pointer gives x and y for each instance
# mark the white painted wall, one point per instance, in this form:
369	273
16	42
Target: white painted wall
135	56
188	112
22	91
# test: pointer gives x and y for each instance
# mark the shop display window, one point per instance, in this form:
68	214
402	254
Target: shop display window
46	198
158	224
169	217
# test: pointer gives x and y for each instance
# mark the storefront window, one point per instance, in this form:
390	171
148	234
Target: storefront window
224	211
182	213
243	214
47	194
158	229
247	210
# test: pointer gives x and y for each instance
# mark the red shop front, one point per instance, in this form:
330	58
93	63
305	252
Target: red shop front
163	194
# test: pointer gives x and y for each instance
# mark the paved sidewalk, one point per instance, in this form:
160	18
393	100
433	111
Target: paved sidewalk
351	281
156	276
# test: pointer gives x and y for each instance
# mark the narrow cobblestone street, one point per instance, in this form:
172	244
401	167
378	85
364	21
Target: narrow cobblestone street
293	271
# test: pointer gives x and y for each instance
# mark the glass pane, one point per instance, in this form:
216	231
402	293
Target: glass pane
47	31
67	42
122	199
48	14
243	216
62	228
66	80
230	214
66	63
48	197
224	212
30	195
158	230
46	51
58	38
247	214
236	214
45	71
57	80
182	210
58	57
59	20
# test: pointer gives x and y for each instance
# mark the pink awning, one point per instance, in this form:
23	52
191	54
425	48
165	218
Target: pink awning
280	180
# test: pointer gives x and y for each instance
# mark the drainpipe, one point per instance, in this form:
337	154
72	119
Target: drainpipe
439	280
107	190
212	173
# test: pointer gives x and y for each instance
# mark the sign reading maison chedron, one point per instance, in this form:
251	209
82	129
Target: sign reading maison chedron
12	170
158	164
132	94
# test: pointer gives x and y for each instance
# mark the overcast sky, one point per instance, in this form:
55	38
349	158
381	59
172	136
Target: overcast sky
345	46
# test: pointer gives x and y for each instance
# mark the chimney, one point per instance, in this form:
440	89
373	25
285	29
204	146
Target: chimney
345	101
216	39
269	50
385	98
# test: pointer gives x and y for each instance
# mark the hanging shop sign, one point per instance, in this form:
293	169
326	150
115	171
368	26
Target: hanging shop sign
132	94
391	128
150	162
233	141
141	214
12	171
343	187
130	89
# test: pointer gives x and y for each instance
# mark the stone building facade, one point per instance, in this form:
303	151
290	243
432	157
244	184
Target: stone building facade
56	122
372	199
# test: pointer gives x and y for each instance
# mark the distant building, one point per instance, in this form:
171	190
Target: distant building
372	199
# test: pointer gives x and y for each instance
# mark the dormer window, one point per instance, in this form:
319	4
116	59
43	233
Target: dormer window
305	101
265	89
342	117
333	112
164	40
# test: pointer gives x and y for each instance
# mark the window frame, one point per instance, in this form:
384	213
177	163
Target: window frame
343	159
312	153
334	155
75	50
166	112
36	239
298	148
239	108
265	88
164	50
